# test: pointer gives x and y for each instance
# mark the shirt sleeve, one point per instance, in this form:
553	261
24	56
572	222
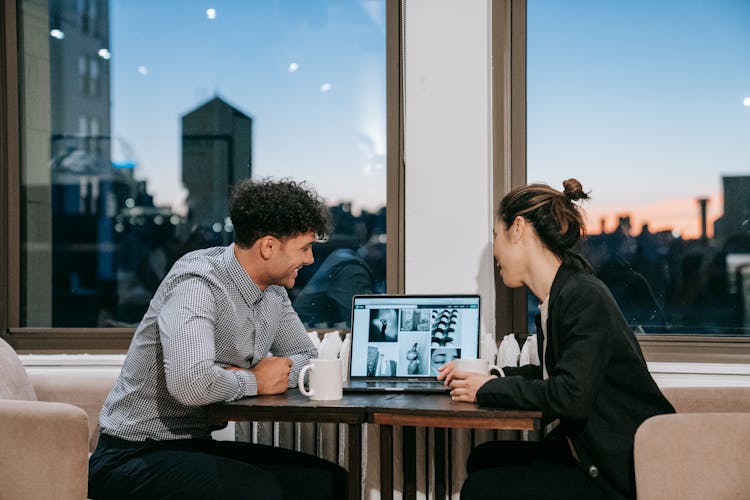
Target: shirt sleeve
187	322
292	341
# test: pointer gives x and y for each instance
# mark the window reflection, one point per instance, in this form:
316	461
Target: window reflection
152	113
325	300
667	284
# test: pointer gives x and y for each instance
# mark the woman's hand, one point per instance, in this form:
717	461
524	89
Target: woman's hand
464	385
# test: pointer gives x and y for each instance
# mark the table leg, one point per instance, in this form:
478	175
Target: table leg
355	461
409	447
386	462
439	463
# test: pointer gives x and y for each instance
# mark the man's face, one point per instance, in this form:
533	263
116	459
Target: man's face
288	259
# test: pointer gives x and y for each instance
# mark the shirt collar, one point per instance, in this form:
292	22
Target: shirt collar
250	291
544	305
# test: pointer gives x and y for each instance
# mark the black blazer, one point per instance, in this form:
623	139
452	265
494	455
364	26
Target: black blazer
598	386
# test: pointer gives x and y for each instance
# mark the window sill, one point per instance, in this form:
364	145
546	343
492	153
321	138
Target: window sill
656	348
694	349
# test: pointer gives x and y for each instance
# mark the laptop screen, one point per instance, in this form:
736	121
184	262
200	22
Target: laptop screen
411	336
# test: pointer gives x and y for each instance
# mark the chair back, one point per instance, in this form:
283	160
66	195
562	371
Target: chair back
693	456
708	399
14	382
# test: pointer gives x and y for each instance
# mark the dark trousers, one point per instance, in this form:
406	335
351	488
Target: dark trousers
521	470
200	469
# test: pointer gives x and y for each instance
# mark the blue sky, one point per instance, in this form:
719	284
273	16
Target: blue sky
168	57
642	101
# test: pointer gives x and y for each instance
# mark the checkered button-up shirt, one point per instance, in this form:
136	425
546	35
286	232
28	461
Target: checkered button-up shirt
207	314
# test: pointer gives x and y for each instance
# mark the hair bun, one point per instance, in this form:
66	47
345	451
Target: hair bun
573	190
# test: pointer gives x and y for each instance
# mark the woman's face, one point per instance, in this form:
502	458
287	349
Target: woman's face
508	255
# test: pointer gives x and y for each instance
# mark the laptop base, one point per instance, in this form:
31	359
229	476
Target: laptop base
423	386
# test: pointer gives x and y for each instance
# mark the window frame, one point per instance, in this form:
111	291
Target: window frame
9	168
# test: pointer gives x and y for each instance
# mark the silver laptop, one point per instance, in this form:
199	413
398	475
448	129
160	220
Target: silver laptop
400	341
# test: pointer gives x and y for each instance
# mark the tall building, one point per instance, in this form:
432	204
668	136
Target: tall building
79	70
216	154
736	216
82	182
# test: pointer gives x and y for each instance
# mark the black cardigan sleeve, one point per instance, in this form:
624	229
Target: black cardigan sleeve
525	371
579	343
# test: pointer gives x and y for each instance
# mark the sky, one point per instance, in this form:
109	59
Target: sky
310	74
641	100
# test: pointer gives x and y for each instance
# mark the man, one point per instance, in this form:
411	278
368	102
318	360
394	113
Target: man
206	338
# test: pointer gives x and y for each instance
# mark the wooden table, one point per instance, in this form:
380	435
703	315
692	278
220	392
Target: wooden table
385	410
294	407
440	412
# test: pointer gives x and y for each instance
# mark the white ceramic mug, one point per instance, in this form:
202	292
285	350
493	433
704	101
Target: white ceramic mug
474	365
324	380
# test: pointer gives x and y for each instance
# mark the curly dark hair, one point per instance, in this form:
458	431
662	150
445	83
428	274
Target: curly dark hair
281	208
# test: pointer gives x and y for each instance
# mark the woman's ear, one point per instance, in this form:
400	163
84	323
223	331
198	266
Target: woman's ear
517	229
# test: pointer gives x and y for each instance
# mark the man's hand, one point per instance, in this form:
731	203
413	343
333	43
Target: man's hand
464	385
272	375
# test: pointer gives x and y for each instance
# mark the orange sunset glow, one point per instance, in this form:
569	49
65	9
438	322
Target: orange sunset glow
673	214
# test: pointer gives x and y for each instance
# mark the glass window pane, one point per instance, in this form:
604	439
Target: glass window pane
647	103
140	116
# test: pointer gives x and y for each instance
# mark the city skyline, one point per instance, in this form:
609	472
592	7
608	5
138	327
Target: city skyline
110	244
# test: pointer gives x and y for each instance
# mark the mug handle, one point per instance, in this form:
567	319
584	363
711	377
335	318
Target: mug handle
494	367
301	383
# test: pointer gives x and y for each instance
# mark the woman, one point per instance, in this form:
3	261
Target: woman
593	381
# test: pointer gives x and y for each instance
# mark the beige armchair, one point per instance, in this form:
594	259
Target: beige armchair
47	428
701	452
693	456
